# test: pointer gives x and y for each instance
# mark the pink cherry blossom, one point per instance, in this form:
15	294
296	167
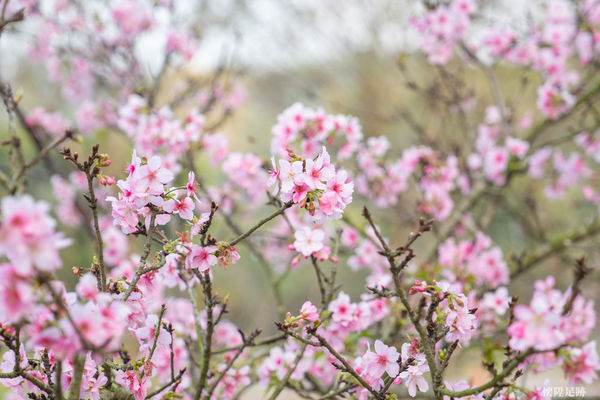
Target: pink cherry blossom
460	320
516	146
27	235
147	333
201	258
343	309
87	287
289	174
413	379
309	312
309	240
581	364
17	296
384	359
497	301
132	381
184	207
535	326
153	176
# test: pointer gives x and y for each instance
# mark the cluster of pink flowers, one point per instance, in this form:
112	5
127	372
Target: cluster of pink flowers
145	193
372	365
543	325
454	310
102	59
313	184
159	131
567	172
348	316
303	128
181	43
94	319
92	379
443	27
476	258
115	29
436	184
310	241
559	31
279	361
386	359
100	320
28	237
580	364
459	318
412	377
554	100
17	295
366	255
52	123
383	181
233	381
547	49
145	187
590	144
491	310
491	156
246	171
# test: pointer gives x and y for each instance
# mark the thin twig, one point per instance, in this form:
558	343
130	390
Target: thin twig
141	270
263	221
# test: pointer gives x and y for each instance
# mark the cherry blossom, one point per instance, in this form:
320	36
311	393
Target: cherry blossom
581	364
27	235
309	240
201	258
413	379
384	359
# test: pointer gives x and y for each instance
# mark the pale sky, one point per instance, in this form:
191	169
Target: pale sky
271	35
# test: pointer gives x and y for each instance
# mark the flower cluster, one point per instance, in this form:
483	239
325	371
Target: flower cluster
144	189
372	365
543	325
307	129
493	154
443	27
53	123
313	184
474	258
412	377
28	237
